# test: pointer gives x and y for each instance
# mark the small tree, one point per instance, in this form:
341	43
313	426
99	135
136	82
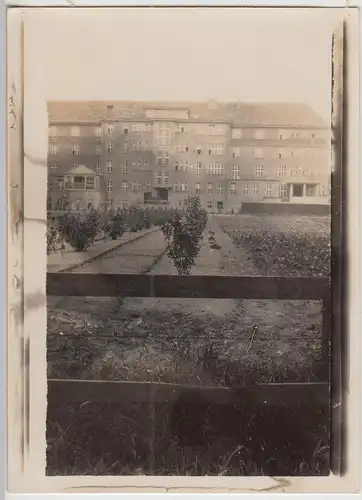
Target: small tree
183	234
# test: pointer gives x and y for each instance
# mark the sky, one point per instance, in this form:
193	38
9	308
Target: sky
250	55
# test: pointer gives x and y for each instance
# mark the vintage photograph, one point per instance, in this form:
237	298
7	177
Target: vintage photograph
189	244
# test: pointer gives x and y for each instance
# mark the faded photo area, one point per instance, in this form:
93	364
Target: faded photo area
188	242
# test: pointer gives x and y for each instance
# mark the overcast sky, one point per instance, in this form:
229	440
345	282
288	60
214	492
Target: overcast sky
181	54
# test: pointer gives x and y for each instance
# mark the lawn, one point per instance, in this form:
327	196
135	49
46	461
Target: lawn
219	342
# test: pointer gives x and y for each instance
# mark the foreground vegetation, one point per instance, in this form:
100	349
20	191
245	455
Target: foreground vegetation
80	231
259	341
283	246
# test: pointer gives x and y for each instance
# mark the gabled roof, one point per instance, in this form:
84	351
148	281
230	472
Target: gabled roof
81	170
243	114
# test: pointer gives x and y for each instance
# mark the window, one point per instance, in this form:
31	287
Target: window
98	149
98	167
259	134
163	134
159	158
310	190
182	148
53	167
125	168
125	186
283	190
282	170
145	165
301	171
176	166
75	164
133	185
165	177
89	183
198	188
61	184
109	186
125	129
109	203
268	190
75	131
256	189
109	147
282	153
209	188
149	187
259	171
180	187
321	191
134	165
109	166
138	186
125	146
77	204
258	153
124	203
233	188
198	150
220	188
216	149
215	168
246	188
110	129
54	149
166	157
181	128
99	131
209	205
236	152
50	185
198	167
235	172
139	163
236	133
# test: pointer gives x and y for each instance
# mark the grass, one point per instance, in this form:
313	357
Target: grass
191	440
221	342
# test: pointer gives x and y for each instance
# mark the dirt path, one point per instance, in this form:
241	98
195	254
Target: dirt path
224	261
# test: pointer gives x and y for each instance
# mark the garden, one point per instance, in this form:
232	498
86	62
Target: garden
257	342
283	246
80	231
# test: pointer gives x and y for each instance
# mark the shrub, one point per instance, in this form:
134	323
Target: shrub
287	254
116	226
183	234
79	233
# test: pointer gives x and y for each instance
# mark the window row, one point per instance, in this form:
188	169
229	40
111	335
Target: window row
238	133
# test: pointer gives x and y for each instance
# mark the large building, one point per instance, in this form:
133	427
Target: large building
120	153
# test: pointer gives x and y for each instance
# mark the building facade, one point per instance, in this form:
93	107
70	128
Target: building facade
122	153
